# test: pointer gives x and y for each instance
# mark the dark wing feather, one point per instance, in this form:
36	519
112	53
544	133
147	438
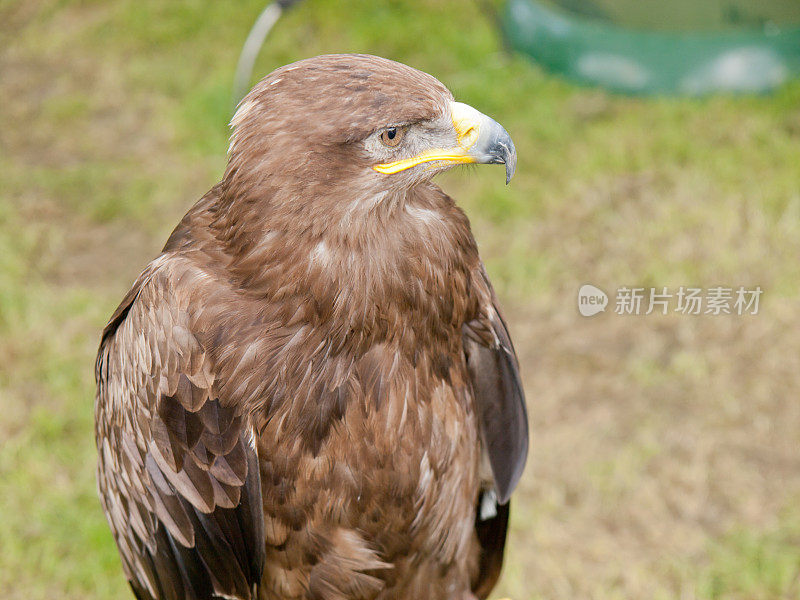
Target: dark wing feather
491	530
494	371
178	472
500	403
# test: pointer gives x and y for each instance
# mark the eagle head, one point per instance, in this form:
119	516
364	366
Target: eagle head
347	122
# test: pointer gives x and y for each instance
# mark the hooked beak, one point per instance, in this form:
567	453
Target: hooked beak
479	139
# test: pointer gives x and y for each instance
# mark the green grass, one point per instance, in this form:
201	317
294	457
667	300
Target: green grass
664	449
757	565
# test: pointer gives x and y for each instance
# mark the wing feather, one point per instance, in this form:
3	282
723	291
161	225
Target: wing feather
494	372
500	404
179	481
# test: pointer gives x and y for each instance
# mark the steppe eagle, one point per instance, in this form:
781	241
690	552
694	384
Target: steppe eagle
311	392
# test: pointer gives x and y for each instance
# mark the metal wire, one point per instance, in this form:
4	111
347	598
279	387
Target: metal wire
252	46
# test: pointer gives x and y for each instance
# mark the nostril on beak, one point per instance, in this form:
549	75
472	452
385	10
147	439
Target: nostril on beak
468	137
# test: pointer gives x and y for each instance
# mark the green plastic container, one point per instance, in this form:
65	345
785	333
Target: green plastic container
669	47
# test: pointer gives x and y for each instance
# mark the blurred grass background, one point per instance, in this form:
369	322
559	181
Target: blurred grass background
666	449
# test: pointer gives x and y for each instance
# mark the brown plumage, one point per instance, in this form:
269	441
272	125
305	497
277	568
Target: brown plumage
311	392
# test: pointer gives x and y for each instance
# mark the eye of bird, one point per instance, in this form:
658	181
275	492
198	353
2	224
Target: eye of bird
392	136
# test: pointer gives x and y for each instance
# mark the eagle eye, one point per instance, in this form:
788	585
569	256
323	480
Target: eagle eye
392	136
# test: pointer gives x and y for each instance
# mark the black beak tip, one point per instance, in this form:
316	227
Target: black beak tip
503	151
510	160
511	166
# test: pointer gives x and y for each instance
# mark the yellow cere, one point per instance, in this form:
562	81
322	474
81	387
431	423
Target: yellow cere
467	132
